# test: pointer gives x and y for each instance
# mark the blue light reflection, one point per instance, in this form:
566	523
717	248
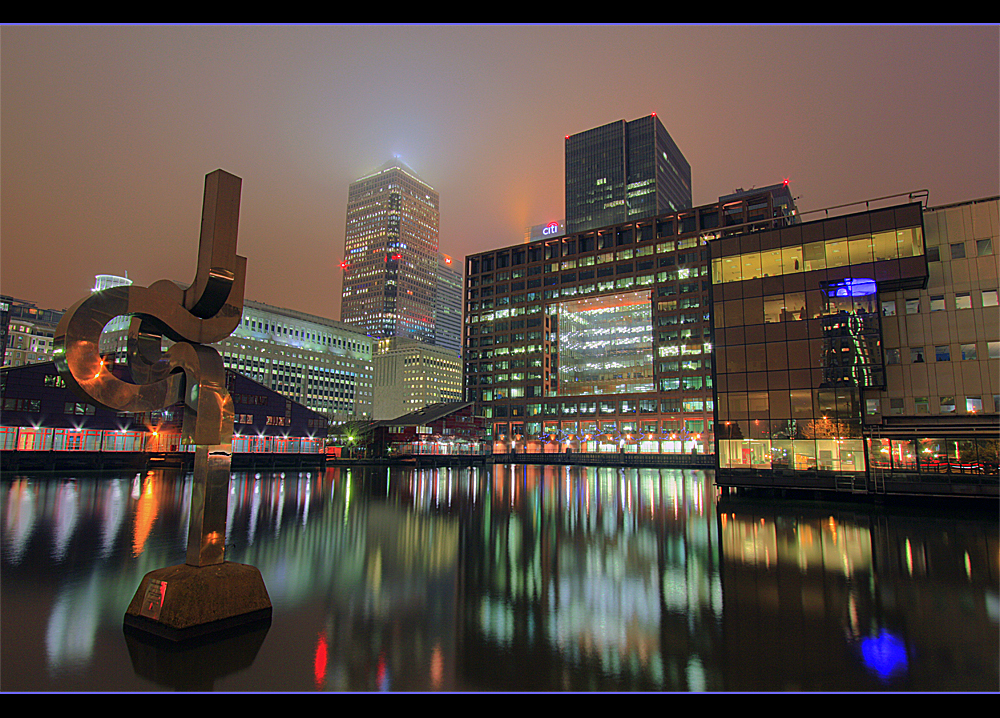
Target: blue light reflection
885	655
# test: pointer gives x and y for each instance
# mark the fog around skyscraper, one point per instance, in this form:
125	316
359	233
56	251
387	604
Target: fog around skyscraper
390	254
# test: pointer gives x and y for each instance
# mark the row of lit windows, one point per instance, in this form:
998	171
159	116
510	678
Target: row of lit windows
254	324
594	260
666	429
789	307
923	455
609	407
893	244
665	281
481	267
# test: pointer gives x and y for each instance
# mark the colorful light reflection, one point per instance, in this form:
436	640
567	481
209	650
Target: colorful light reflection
885	655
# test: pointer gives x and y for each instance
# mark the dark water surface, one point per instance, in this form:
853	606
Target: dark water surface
506	579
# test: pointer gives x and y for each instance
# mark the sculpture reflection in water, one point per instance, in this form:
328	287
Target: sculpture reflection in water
190	373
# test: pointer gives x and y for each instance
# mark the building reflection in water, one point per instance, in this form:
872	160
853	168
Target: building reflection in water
858	591
513	578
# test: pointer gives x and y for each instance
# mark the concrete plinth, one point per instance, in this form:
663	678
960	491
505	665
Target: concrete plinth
183	602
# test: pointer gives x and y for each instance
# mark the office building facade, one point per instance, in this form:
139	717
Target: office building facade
624	171
391	254
29	332
410	375
5	303
320	363
448	304
860	352
600	341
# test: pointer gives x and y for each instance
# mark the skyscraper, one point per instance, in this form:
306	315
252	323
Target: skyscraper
624	171
448	301
391	254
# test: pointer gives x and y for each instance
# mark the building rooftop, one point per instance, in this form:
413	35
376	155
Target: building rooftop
395	163
428	414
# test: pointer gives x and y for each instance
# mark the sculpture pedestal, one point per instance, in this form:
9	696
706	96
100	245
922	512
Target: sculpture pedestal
183	602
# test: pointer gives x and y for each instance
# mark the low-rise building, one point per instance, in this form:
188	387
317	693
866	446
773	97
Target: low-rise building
444	429
39	415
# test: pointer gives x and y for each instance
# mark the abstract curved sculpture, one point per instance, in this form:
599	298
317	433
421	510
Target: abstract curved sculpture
206	593
203	313
189	371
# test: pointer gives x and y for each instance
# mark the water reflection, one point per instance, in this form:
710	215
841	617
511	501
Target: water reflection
509	578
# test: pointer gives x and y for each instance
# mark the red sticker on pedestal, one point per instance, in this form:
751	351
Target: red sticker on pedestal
152	602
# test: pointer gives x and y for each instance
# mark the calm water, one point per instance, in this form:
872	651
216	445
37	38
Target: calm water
505	579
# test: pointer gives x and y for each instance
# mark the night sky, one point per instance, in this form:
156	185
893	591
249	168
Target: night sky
107	133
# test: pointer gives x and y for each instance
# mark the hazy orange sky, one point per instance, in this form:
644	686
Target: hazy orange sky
107	132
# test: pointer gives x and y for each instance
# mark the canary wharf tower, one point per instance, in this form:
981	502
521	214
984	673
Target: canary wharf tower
391	254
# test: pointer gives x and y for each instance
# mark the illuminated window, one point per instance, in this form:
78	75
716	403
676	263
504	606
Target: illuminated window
606	345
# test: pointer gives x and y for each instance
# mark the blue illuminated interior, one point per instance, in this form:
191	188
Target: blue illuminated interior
853	288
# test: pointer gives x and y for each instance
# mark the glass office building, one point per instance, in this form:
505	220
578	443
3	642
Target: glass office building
624	171
600	341
857	352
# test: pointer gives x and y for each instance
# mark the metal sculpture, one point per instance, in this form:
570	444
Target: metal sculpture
189	372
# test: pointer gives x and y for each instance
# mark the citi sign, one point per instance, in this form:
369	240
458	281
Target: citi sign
550	229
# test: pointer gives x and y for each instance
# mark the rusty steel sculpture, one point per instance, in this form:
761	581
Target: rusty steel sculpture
189	373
